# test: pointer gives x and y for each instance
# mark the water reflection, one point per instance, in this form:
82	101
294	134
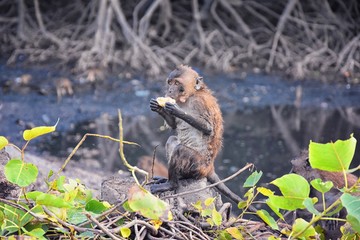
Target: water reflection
269	137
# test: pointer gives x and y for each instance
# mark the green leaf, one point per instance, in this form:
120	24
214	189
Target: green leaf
95	206
76	216
355	223
20	173
127	207
52	200
37	232
147	204
60	184
209	201
2	217
299	226
50	174
249	193
352	205
295	189
293	185
198	206
265	191
253	179
309	204
36	229
269	220
3	142
321	186
206	212
38	131
333	157
287	203
235	233
15	219
275	209
86	235
242	204
125	232
210	221
216	217
223	235
33	195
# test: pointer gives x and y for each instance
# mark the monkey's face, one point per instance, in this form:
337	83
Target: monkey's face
176	90
182	83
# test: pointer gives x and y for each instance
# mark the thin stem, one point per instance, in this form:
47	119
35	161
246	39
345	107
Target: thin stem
123	158
23	150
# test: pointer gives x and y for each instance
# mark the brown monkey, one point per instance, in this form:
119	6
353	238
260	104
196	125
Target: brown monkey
197	120
153	166
63	87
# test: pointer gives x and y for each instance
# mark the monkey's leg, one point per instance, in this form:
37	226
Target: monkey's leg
163	185
184	162
171	143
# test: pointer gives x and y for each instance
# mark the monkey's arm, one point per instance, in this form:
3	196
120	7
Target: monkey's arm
176	111
170	120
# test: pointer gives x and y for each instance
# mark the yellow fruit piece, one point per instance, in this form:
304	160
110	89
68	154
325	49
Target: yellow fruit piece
163	100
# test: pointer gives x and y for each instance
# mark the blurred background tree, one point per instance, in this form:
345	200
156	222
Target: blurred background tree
299	38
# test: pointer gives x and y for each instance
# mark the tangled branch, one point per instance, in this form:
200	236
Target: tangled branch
301	37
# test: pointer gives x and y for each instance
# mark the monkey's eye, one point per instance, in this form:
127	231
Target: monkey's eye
181	89
169	81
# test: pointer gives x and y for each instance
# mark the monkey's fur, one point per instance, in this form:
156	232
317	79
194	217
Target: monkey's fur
197	120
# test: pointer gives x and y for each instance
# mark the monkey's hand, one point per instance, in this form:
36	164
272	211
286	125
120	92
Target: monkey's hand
170	120
174	109
154	106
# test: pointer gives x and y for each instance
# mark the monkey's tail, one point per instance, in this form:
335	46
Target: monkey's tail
214	178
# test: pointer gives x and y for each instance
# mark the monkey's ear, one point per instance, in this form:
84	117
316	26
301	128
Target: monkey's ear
199	83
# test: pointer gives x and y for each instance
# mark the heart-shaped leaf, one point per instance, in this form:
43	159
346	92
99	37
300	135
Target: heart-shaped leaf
299	226
253	179
333	156
321	186
20	173
146	204
352	205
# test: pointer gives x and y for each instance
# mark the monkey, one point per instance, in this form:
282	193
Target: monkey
301	166
152	166
63	87
197	120
95	75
